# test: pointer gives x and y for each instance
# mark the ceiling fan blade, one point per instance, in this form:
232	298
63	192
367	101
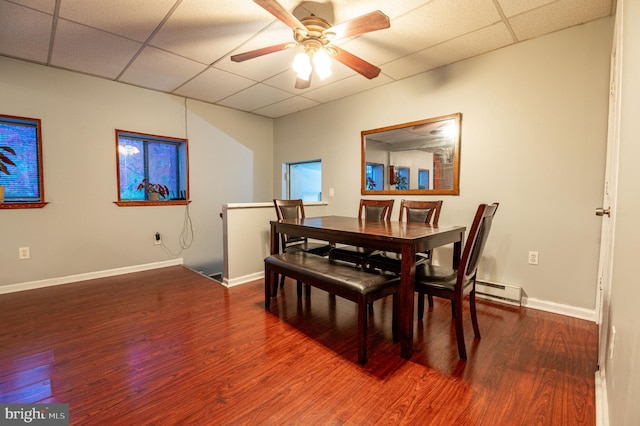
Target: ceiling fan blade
352	61
303	84
276	9
373	21
260	52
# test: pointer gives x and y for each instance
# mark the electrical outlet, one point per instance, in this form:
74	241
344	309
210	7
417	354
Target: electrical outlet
332	192
157	239
533	258
24	253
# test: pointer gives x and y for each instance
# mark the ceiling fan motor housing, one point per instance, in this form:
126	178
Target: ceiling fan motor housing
314	36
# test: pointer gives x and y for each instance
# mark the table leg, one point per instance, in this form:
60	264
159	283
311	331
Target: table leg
457	251
406	296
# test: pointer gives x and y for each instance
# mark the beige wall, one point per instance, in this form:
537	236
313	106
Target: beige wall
622	372
81	230
534	130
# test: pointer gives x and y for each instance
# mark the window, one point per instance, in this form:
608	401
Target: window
375	176
151	169
21	173
400	177
423	178
304	180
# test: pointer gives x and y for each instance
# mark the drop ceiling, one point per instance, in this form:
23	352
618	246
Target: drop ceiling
183	47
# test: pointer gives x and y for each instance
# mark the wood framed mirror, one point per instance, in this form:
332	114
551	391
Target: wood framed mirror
420	157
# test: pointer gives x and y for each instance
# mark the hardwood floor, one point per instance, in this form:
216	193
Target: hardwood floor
170	346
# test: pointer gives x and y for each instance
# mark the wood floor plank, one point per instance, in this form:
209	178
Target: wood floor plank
170	346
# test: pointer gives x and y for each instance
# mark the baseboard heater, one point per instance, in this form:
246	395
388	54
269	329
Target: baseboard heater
503	293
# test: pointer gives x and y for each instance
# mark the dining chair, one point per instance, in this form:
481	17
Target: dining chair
294	209
427	212
455	284
372	210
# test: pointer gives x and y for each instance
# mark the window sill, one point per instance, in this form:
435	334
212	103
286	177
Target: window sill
9	205
152	203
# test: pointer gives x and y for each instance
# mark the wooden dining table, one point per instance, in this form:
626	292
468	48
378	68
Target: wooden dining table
407	238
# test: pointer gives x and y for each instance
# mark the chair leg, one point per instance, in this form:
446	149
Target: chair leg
362	332
299	288
474	317
453	309
430	298
421	305
462	351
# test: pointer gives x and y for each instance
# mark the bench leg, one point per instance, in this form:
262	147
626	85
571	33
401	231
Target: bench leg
269	276
394	317
274	284
362	332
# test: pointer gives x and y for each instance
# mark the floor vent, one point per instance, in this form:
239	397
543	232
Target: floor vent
217	277
499	292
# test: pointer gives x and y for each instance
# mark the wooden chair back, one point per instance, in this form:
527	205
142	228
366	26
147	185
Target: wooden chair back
475	243
289	209
375	209
420	211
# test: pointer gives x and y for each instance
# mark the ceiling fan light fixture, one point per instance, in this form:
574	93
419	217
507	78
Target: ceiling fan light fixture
322	64
302	66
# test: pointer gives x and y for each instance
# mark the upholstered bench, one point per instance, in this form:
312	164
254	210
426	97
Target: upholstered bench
335	277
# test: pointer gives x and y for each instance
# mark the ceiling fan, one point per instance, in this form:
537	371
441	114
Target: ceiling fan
315	35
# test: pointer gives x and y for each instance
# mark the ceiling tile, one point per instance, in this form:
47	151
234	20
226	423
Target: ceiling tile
160	70
204	33
556	16
214	85
262	67
255	97
47	6
516	7
346	87
132	19
91	51
435	23
288	106
467	46
24	33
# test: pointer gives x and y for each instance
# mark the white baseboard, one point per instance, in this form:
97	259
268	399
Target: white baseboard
602	406
243	279
557	308
12	288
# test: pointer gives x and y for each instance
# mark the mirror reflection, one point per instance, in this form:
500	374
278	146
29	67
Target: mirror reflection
421	157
